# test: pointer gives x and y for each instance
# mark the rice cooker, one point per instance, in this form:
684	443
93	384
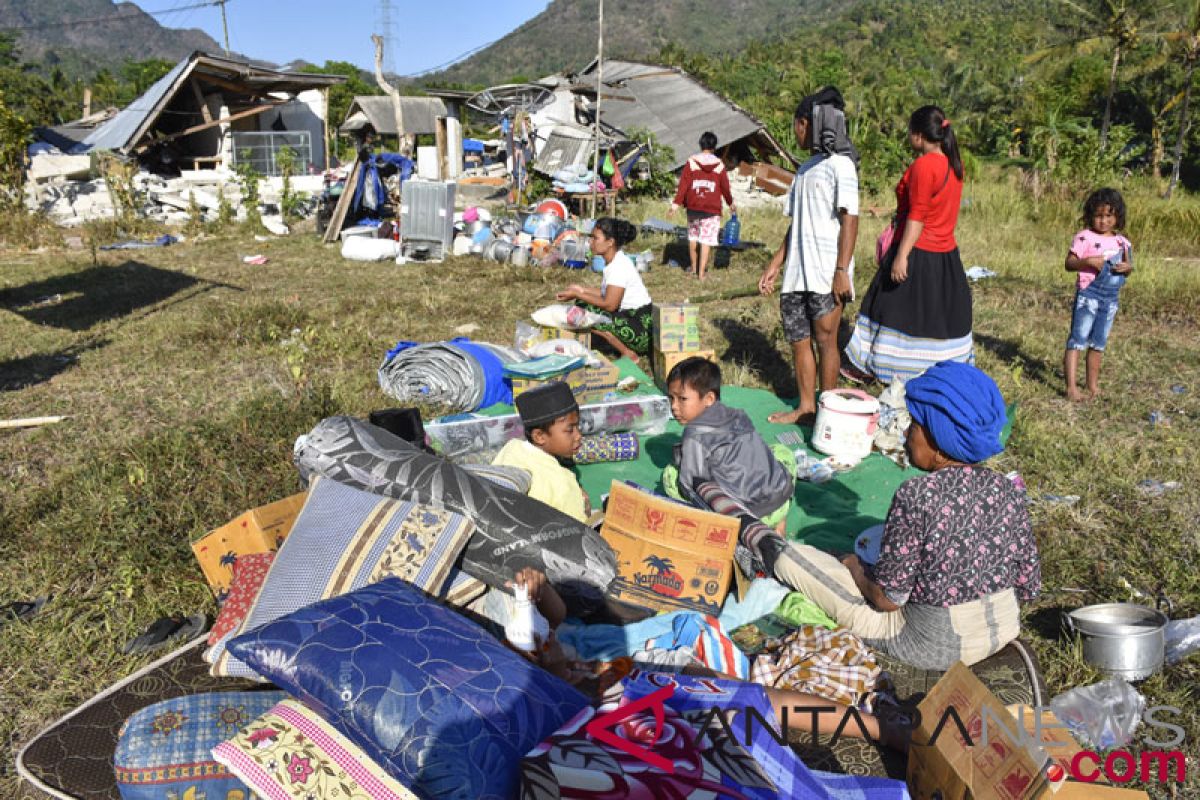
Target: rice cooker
846	423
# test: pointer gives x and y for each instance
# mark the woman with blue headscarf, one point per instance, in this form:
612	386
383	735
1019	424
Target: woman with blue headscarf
958	553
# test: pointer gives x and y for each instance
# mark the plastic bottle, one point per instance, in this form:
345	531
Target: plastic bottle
527	625
732	234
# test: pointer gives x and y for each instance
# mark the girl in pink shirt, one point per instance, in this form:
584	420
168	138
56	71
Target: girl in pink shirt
1103	258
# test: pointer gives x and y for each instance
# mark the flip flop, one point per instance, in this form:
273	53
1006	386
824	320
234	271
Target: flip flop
165	630
22	610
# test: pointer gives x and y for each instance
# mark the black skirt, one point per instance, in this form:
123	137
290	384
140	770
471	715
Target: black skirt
934	302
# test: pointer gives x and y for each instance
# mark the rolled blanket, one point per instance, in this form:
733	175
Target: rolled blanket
512	531
461	374
607	448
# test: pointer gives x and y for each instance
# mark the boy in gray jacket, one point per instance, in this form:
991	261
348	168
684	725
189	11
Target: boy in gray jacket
720	444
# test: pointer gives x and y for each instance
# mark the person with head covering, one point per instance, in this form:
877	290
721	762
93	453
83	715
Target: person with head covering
958	554
917	310
550	415
817	254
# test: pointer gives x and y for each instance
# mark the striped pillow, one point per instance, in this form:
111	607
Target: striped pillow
344	539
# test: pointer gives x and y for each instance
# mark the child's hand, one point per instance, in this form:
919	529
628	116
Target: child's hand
1124	268
1095	262
900	269
533	580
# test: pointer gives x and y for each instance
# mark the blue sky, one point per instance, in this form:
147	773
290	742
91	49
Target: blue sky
430	33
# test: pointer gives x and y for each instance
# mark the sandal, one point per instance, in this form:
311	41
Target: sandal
856	376
22	610
165	630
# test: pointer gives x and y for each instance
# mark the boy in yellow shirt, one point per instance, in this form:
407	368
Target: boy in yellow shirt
551	419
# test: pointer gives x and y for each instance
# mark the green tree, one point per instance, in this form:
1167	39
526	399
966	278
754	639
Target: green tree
1188	39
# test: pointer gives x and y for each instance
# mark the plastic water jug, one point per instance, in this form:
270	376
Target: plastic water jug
732	232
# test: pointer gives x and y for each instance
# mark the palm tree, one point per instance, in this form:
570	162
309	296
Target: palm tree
1119	22
1190	39
661	566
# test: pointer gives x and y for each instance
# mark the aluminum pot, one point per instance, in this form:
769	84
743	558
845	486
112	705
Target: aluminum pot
1124	640
500	250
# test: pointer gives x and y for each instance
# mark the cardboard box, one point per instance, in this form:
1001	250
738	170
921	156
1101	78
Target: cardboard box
549	333
669	555
664	362
529	334
676	327
260	530
1006	769
588	384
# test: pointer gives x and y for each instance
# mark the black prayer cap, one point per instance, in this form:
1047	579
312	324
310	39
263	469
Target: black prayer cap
543	405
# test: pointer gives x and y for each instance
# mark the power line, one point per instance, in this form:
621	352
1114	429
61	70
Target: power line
525	27
110	18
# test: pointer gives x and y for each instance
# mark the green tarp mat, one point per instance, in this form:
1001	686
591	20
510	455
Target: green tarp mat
826	515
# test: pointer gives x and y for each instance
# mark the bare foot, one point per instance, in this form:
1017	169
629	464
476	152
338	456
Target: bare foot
1074	396
801	416
635	358
1093	394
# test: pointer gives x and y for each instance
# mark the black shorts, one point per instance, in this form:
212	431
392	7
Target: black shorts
800	310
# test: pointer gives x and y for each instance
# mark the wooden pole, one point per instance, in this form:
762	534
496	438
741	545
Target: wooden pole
225	25
599	84
325	139
397	106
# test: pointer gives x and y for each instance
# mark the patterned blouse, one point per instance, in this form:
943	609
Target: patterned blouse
955	535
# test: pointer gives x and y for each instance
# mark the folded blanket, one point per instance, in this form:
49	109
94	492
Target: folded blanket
512	531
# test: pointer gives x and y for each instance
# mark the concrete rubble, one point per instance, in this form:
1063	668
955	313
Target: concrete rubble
65	194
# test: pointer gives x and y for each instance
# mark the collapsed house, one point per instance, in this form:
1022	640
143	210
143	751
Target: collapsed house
191	129
438	116
666	101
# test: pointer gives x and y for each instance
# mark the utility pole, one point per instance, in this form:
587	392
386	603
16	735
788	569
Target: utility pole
224	24
388	31
599	88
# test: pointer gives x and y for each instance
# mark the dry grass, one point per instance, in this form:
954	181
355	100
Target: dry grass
173	366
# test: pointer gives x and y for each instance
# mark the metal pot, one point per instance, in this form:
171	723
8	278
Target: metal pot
500	250
1125	640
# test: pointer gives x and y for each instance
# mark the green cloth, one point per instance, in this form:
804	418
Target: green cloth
828	515
799	610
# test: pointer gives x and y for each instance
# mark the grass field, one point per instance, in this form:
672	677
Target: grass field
186	375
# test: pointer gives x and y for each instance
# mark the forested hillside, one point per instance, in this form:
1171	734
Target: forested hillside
81	36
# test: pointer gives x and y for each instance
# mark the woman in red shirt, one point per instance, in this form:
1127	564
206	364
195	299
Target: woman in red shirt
918	309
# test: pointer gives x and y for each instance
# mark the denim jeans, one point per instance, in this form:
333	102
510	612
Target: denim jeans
1091	322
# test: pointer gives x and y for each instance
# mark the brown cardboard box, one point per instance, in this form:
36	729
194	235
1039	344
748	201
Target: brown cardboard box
1004	770
669	556
664	362
260	530
676	327
588	384
549	333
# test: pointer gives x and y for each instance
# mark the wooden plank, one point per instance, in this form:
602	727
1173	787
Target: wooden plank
439	135
338	220
29	422
204	112
197	128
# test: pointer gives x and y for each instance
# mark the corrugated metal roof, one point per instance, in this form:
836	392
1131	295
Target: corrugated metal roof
119	132
671	104
124	131
420	114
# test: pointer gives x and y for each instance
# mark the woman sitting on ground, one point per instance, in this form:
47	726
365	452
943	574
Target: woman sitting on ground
622	296
958	553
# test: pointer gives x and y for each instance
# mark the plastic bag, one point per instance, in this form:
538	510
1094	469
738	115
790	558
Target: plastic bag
527	337
1103	715
563	347
1183	638
567	317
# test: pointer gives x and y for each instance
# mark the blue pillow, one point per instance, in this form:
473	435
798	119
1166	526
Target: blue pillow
428	694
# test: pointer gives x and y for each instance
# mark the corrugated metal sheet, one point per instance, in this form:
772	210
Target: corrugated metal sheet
670	104
119	132
420	114
564	148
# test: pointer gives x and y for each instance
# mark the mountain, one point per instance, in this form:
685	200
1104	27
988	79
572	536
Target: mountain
81	36
563	37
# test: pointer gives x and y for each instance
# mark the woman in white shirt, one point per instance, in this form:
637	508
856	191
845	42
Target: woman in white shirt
622	296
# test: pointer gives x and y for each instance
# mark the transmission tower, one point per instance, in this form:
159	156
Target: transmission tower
388	31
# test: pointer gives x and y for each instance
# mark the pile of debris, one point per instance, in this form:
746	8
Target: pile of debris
70	202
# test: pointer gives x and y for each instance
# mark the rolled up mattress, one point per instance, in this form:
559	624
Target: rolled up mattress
460	374
512	531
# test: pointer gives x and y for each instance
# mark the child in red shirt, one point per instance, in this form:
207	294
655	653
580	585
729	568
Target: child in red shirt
702	185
